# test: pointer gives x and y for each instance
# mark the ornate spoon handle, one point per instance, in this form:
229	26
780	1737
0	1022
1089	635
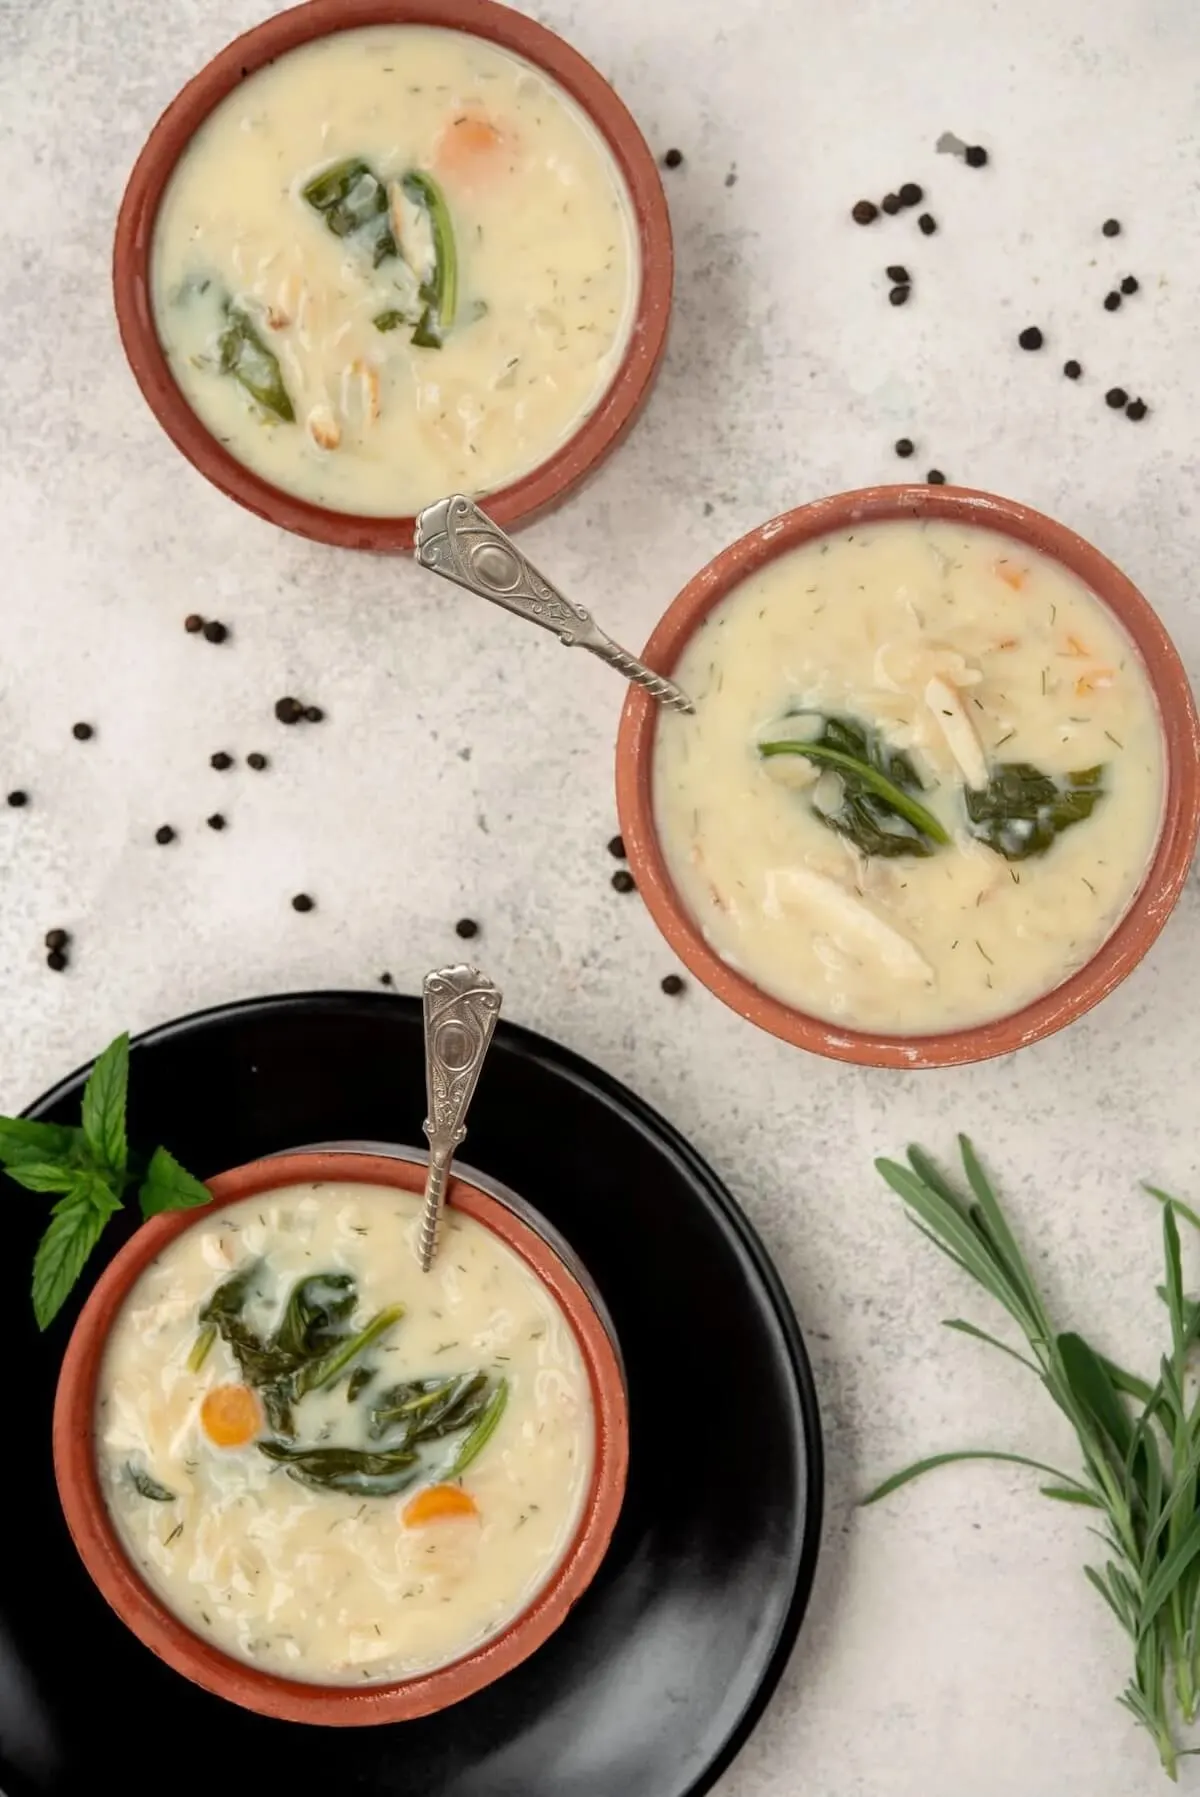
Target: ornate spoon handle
461	1007
459	541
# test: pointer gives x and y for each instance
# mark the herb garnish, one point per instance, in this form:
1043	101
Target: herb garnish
88	1169
877	812
1140	1441
1021	811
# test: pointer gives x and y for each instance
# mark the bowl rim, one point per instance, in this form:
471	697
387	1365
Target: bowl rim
599	433
1148	909
269	1694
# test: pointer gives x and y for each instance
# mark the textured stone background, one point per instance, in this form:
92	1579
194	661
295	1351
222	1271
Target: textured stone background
952	1646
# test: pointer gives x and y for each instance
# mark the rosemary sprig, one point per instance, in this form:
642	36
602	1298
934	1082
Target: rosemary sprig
1139	1442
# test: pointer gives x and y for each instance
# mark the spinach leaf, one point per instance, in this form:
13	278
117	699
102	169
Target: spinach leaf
245	356
350	197
440	292
357	1472
876	811
316	1314
1021	811
358	1381
427	1409
482	1433
149	1488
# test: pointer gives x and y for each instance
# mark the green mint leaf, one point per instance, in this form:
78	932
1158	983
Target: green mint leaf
45	1176
104	1108
75	1227
21	1140
168	1186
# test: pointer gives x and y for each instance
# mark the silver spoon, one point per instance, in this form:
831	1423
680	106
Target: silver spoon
461	1007
459	541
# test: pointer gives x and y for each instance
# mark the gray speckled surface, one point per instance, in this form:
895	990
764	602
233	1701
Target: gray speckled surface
952	1645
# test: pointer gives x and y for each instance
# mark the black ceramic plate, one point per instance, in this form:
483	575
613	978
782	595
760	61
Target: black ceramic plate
659	1674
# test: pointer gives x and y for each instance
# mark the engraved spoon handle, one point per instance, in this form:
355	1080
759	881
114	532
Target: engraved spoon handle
460	542
461	1006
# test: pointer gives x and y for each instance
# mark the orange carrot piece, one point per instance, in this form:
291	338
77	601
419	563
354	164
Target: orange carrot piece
436	1503
1075	647
467	144
230	1415
1011	574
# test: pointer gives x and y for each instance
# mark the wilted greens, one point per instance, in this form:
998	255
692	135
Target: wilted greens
357	1472
243	355
351	198
1022	811
1139	1438
876	810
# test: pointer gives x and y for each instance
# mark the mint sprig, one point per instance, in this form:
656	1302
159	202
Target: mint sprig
87	1169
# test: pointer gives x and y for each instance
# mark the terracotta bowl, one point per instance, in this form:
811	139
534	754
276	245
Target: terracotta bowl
600	432
99	1545
1146	914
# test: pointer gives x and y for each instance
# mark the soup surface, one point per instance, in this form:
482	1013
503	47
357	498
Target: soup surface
397	263
923	781
369	1524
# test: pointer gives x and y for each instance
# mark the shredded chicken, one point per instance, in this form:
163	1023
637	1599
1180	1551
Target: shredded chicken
958	730
841	914
324	428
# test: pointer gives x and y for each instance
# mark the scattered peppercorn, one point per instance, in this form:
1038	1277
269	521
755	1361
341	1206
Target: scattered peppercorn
864	212
1136	409
57	940
302	902
82	732
616	847
672	985
215	632
927	223
193	623
897	273
313	714
216	821
976	156
891	204
935	478
1129	284
385	979
904	446
1112	301
1116	397
220	761
289	711
164	834
1111	227
623	880
899	295
466	927
911	194
673	159
1072	369
257	762
1031	338
56	961
17	799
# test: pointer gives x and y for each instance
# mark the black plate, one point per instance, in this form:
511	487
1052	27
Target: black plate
659	1674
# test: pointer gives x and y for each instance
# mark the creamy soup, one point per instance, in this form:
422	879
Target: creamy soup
397	263
331	1464
923	780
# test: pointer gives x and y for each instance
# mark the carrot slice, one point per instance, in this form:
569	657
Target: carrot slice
437	1502
467	145
230	1416
1011	574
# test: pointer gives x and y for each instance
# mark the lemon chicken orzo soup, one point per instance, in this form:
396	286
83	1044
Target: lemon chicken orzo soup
396	263
332	1465
924	778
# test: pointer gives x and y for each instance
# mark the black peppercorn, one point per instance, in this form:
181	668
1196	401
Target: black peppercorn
56	961
623	880
1031	338
313	714
220	761
302	902
1112	301
672	985
466	927
864	212
927	223
17	799
1116	398
899	295
935	478
616	847
1111	227
257	762
289	711
82	732
164	834
215	632
1129	284
57	940
673	159
385	979
904	446
976	156
193	623
911	194
898	274
891	204
216	821
1136	409
1072	369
